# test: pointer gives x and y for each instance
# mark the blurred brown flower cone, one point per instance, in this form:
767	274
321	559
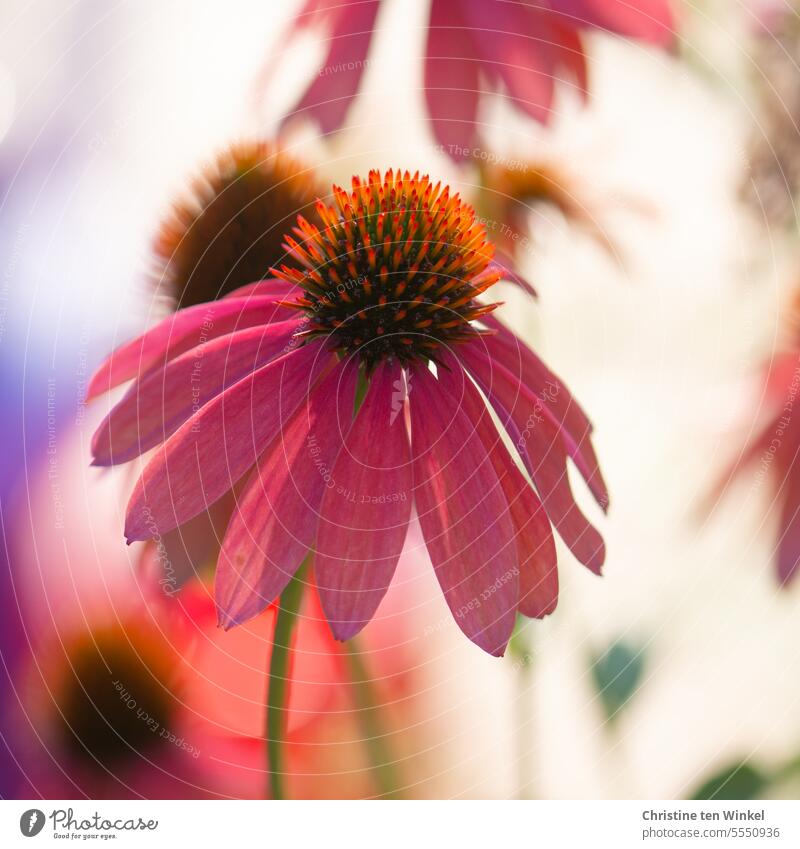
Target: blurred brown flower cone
228	230
511	191
113	688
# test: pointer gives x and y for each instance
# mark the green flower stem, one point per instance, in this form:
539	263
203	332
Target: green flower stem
369	718
278	683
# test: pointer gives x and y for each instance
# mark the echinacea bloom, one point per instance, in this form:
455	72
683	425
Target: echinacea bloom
227	231
378	293
105	713
510	191
519	49
773	456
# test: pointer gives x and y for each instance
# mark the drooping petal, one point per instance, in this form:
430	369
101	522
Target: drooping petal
464	516
508	269
541	447
649	20
275	523
549	460
156	406
536	551
208	454
571	55
273	286
452	80
364	517
759	446
555	401
517	46
336	83
188	550
181	332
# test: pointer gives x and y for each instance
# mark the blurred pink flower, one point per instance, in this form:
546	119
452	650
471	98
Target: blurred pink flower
90	621
265	381
519	48
186	720
774	455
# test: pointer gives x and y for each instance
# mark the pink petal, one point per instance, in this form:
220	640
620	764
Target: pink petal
452	83
273	286
365	515
185	552
156	406
572	56
517	45
536	550
276	521
540	446
781	378
649	20
554	400
208	454
464	516
508	268
336	83
181	332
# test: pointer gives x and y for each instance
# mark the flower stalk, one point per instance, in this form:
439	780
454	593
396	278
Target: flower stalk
374	737
278	683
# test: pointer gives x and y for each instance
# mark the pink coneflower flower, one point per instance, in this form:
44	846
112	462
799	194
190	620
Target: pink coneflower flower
379	301
519	49
225	231
773	457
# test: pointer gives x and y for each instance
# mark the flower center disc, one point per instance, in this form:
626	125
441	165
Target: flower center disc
392	270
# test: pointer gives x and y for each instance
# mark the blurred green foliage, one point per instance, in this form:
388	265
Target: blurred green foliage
616	675
735	781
